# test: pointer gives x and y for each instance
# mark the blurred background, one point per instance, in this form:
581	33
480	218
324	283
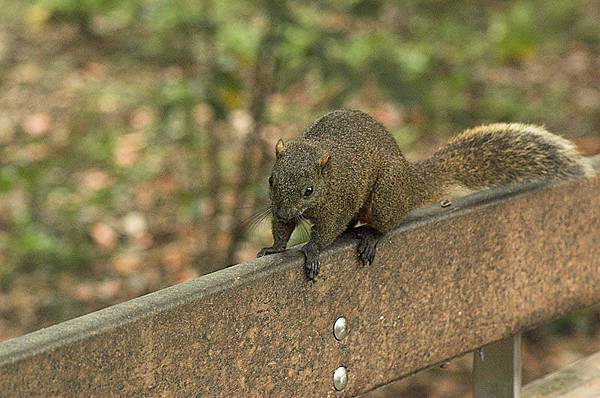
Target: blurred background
136	137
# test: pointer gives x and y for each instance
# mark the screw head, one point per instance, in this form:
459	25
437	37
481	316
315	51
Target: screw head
340	328
445	203
340	378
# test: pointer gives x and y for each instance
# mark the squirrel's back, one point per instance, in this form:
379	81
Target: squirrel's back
353	128
506	153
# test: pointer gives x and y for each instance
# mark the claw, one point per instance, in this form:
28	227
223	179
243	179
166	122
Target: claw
311	260
367	247
311	268
268	250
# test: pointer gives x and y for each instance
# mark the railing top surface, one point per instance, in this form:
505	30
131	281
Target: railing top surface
446	282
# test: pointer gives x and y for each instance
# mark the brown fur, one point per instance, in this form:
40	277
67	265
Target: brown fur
501	154
356	172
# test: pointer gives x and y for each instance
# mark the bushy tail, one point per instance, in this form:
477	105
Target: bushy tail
501	154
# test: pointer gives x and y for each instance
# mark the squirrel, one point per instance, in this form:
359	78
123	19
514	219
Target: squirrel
347	168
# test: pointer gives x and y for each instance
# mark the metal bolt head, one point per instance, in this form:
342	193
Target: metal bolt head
340	328
340	378
445	203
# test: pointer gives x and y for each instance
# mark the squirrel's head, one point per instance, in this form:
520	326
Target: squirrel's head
297	182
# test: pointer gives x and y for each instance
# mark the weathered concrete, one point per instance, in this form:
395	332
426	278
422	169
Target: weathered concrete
578	380
448	281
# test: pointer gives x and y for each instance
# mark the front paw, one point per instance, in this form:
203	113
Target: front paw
367	246
269	250
311	260
311	267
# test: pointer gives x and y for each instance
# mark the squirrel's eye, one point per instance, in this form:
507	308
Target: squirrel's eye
271	180
308	192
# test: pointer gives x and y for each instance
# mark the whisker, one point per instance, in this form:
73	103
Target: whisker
251	222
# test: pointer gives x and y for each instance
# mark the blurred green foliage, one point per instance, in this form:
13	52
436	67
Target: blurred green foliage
116	110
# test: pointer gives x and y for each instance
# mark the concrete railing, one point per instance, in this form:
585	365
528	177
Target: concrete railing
448	281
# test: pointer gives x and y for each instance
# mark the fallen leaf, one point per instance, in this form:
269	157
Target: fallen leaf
104	235
126	263
37	124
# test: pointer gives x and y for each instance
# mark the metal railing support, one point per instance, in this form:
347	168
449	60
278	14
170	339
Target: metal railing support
497	369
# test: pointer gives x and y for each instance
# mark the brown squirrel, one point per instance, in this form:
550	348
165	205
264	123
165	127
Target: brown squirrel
347	168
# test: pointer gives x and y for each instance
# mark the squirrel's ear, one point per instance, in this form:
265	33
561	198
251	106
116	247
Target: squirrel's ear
324	159
279	147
